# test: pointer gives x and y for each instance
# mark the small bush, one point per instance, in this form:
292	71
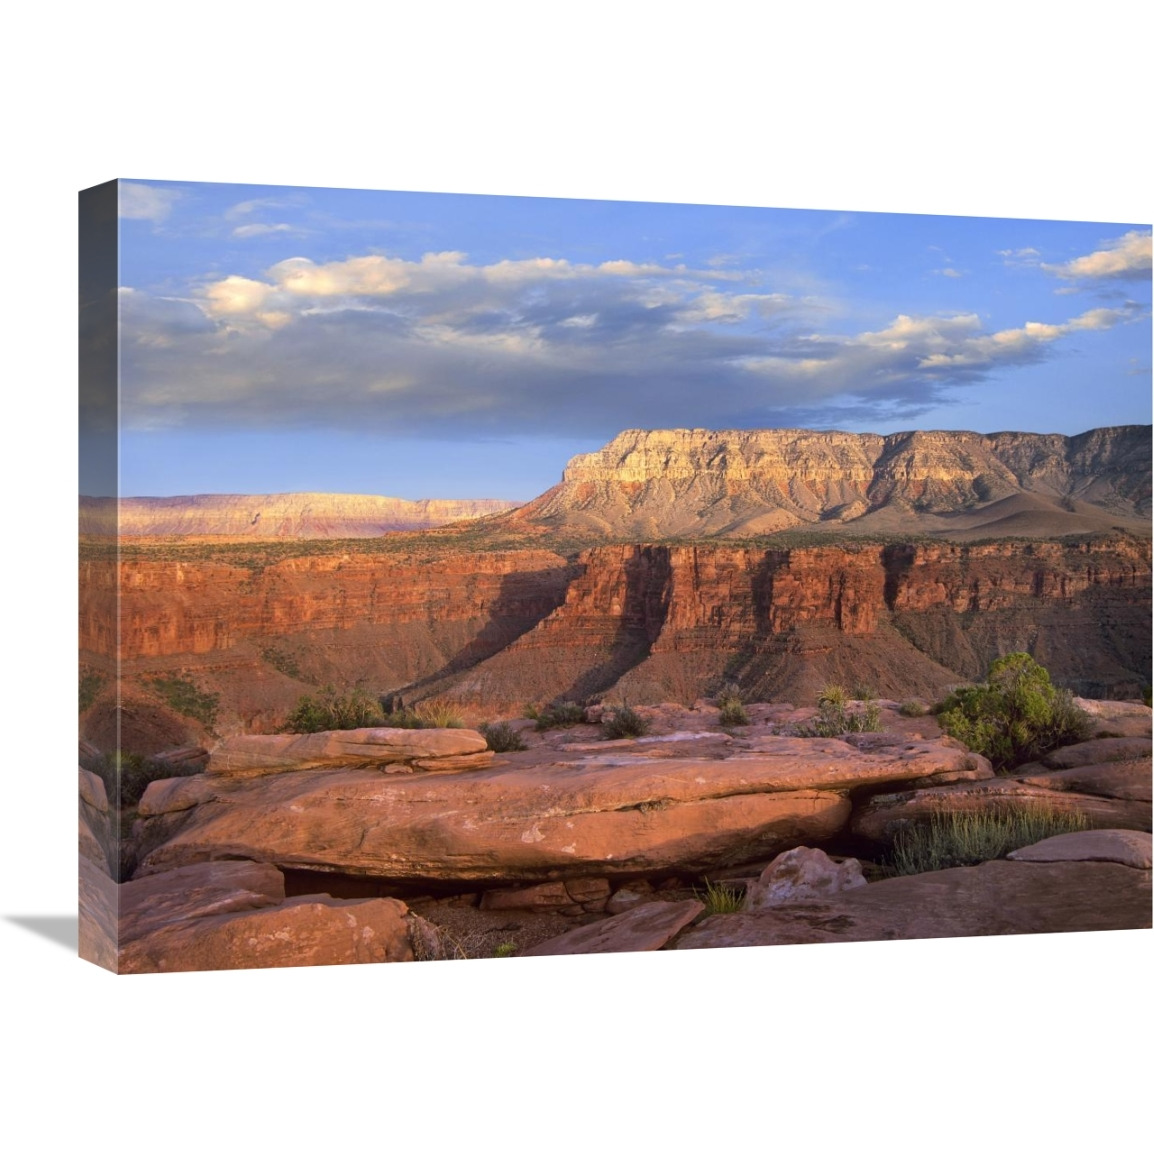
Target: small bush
505	950
733	713
732	707
625	722
720	899
963	839
436	715
1017	716
181	694
863	691
501	737
91	683
834	720
833	695
332	710
560	716
913	709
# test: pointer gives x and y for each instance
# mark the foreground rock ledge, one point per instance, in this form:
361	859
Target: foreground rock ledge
998	897
533	821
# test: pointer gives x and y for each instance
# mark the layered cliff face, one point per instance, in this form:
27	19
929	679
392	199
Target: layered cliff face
695	483
647	623
652	623
299	515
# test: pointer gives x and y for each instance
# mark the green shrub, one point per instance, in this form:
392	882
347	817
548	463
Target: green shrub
625	722
505	950
863	691
833	695
1017	716
834	720
181	694
720	899
952	839
913	709
91	683
560	716
732	707
501	737
332	710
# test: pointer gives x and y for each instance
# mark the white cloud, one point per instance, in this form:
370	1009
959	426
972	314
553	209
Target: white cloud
144	202
244	231
952	273
1125	257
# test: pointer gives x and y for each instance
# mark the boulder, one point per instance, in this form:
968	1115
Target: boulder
997	897
92	791
1125	846
587	895
649	927
1098	751
799	875
257	754
173	794
548	817
197	891
304	931
630	895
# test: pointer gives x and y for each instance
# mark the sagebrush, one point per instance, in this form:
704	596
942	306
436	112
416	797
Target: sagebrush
1018	715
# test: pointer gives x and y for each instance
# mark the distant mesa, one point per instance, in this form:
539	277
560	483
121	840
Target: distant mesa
277	515
697	483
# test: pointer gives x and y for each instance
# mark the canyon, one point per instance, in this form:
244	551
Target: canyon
648	574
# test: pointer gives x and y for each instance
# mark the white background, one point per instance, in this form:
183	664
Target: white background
983	109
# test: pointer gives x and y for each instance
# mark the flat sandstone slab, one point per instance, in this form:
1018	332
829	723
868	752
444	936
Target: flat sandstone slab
1127	780
648	927
1127	847
998	897
256	754
533	820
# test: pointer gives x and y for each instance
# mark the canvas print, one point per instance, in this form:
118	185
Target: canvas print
476	577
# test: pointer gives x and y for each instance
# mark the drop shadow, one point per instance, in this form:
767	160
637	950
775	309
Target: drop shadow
62	929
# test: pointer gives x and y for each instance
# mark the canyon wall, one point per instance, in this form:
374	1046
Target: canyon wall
493	631
655	622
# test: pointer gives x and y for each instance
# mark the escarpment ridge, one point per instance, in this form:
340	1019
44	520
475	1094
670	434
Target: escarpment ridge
694	483
292	515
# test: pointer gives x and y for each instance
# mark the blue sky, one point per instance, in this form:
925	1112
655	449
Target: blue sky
422	345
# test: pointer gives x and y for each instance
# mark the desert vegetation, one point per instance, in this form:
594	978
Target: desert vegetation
1016	716
624	722
732	707
836	717
501	737
183	695
559	715
355	709
959	838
